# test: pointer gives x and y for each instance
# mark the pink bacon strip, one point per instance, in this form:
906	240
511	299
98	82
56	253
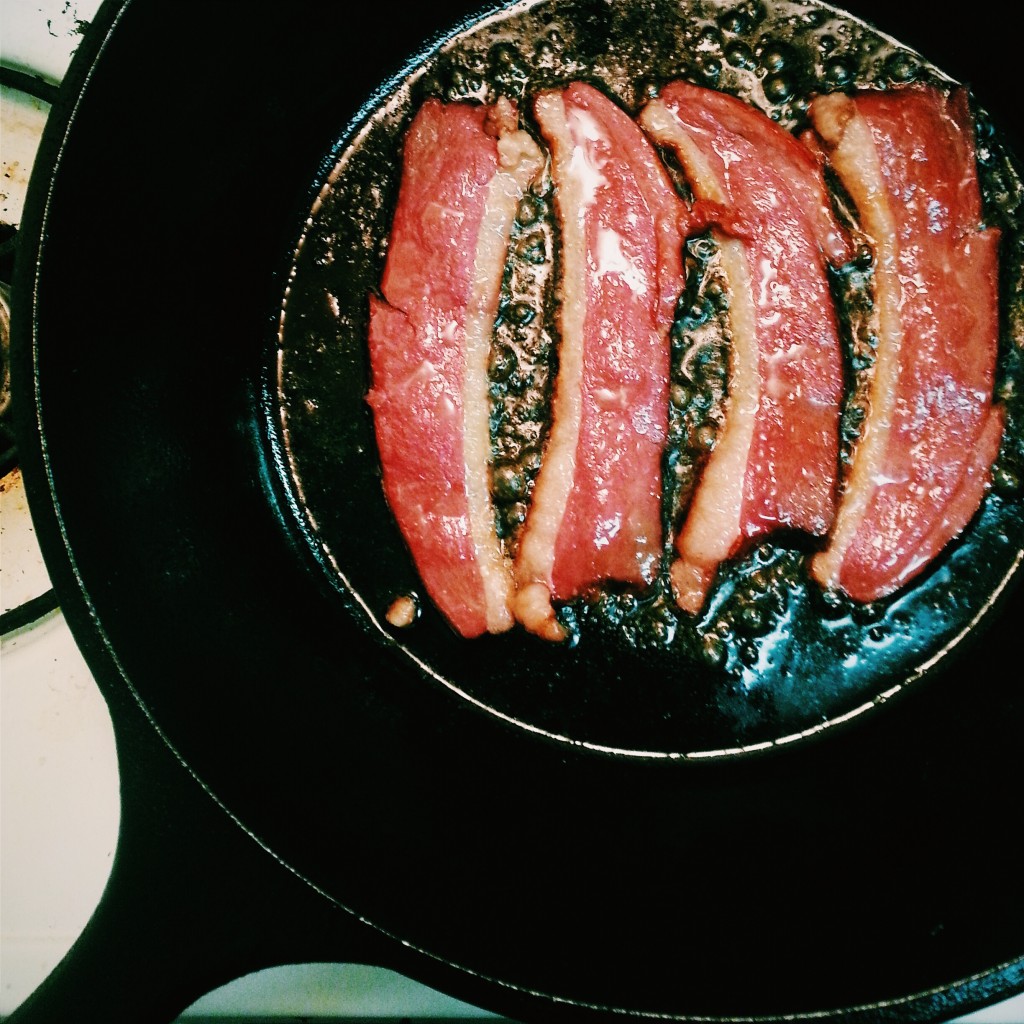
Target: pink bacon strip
465	168
921	467
775	464
596	508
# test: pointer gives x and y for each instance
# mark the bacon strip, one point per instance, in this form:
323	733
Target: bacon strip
465	168
922	465
775	463
596	508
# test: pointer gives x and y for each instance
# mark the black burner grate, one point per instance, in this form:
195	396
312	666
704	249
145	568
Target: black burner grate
36	607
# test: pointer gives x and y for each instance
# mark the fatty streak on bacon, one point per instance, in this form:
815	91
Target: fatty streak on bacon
465	168
595	515
775	463
921	467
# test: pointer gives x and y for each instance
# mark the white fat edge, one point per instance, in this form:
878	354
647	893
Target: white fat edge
855	159
667	130
535	560
520	161
713	522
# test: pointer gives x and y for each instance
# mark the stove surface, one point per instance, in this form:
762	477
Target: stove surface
58	766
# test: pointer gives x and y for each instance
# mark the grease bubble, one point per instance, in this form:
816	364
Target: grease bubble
774	55
711	68
901	67
739	55
756	12
777	88
710	37
734	22
503	363
529	210
681	396
508	483
704	439
521	313
713	650
838	74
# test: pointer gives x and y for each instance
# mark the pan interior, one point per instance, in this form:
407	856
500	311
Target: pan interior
771	659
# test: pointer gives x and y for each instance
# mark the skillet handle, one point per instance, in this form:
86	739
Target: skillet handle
192	902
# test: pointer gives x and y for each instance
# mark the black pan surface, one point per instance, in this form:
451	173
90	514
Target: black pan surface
561	857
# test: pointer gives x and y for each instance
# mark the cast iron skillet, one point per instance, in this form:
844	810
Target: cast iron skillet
293	787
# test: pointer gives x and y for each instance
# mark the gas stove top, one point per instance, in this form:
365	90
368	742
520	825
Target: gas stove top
60	803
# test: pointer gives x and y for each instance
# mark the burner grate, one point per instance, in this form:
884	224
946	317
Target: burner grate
24	92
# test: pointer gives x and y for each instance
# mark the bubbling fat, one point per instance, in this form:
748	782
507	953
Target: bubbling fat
775	56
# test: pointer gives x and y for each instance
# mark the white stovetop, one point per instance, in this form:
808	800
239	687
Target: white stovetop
59	804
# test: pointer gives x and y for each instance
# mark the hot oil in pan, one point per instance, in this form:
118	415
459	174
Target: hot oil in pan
771	656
